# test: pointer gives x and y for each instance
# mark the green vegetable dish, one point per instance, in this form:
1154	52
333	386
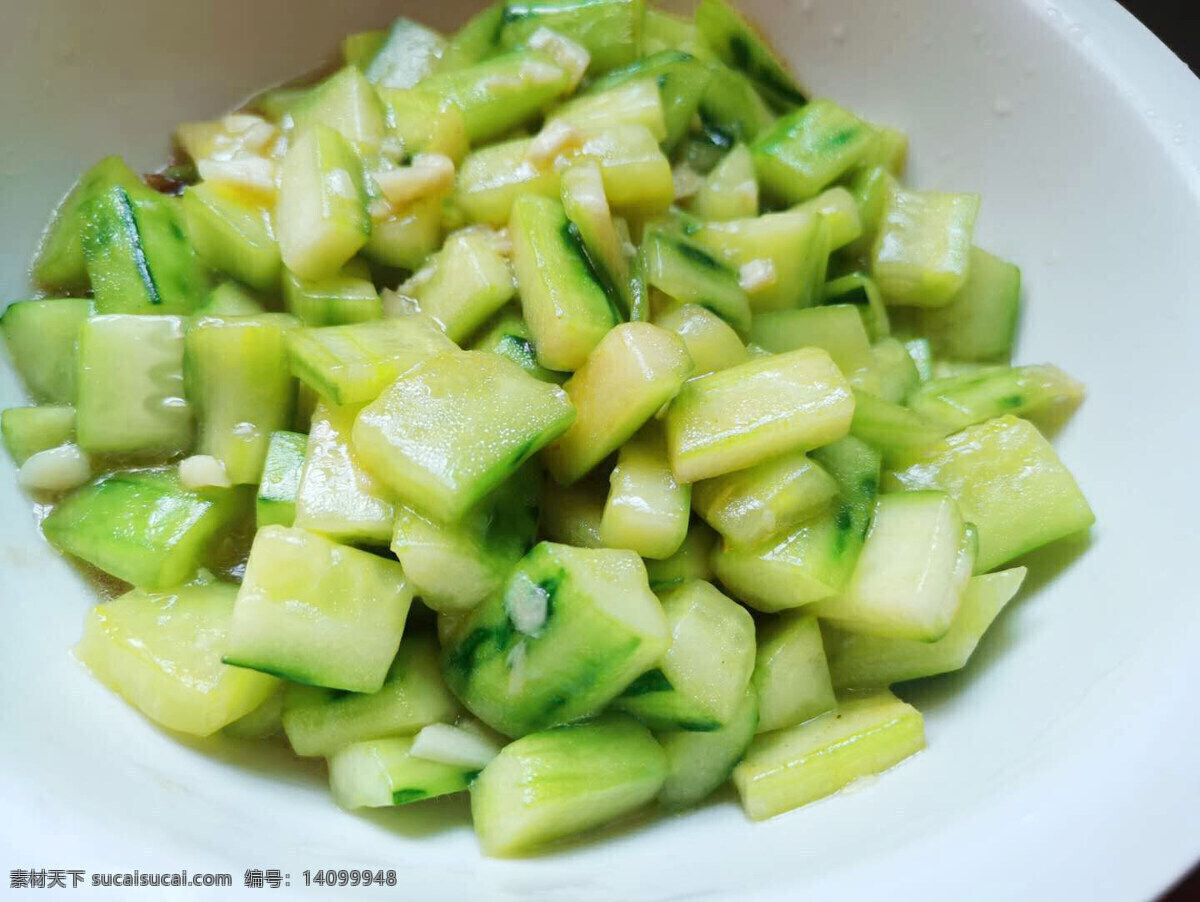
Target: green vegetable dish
568	411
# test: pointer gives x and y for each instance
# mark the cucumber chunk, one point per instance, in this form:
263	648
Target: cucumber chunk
980	322
409	52
347	103
557	783
647	511
636	102
264	722
896	371
360	47
571	630
731	110
687	272
383	772
131	389
610	30
788	768
731	190
1008	481
405	238
961	401
809	149
791	674
896	431
425	123
509	336
280	484
162	654
143	526
28	430
336	496
710	341
454	427
702	677
859	289
321	721
232	235
241	390
41	337
230	299
870	186
752	412
571	514
316	612
742	47
492	178
586	207
751	505
470	282
816	558
840	210
637	177
860	661
922	357
352	364
344	298
922	253
634	370
699	763
563	300
691	561
321	216
681	80
837	329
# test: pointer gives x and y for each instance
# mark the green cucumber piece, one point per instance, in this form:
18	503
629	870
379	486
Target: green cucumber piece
980	322
405	238
710	341
347	103
230	299
409	53
1008	481
731	110
791	674
28	430
788	768
890	151
730	191
276	104
669	31
859	289
701	680
264	722
870	187
634	370
691	561
809	149
751	505
470	282
681	80
635	102
646	511
610	30
232	236
509	336
316	612
384	772
740	46
571	514
570	631
336	496
752	412
699	763
689	273
896	371
557	783
839	207
815	559
240	388
587	208
320	721
359	48
836	329
425	123
454	427
492	178
41	337
897	431
143	526
922	254
477	39
1024	391
280	484
637	176
860	661
162	654
131	389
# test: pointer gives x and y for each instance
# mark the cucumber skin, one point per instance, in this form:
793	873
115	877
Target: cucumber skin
41	336
699	763
28	430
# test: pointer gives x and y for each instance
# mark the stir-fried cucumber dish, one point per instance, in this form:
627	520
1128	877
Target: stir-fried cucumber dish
569	411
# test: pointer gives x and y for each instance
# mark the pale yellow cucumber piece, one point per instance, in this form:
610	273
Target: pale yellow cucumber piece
922	253
840	209
730	191
470	282
647	511
691	561
633	103
710	341
382	772
791	675
571	514
699	763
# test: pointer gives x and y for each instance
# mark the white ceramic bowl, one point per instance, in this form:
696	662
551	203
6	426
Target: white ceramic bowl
1061	764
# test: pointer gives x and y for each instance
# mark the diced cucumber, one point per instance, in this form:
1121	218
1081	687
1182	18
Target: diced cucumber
41	337
360	47
587	208
232	236
344	298
405	238
352	364
493	177
425	123
922	253
264	722
454	567
839	208
752	412
687	272
815	559
501	93
809	149
571	514
731	110
321	216
162	654
791	674
691	561
316	612
336	497
634	370
647	511
384	772
1008	481
742	47
571	630
610	30
477	39
731	190
897	431
859	289
470	282
240	388
859	661
509	336
564	302
749	506
701	680
836	329
280	484
347	103
557	783
28	430
922	357
455	426
698	763
980	322
681	81
320	721
895	369
230	299
143	526
890	151
276	103
788	768
710	341
139	259
961	401
637	177
669	31
636	102
131	391
870	187
911	573
60	261
409	53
